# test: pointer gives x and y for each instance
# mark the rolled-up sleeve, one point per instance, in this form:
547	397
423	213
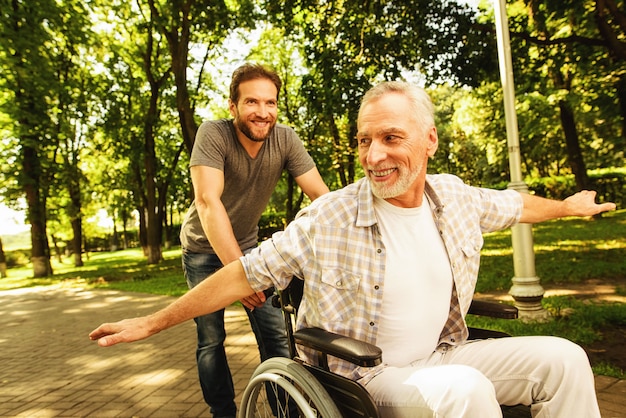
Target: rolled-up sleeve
277	260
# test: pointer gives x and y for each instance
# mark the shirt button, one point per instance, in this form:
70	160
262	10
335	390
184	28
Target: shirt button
372	323
452	340
376	287
379	251
339	283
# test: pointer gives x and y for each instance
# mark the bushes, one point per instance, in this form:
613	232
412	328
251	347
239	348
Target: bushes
270	223
610	184
15	258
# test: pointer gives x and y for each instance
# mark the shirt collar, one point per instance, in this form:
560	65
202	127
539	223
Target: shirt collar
433	199
366	216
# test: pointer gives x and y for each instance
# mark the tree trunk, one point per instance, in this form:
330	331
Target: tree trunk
40	249
76	217
3	262
154	221
143	230
621	94
178	37
574	153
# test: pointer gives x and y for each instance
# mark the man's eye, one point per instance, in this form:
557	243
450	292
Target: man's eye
363	141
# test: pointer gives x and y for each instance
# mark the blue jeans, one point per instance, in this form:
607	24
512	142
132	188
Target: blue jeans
267	324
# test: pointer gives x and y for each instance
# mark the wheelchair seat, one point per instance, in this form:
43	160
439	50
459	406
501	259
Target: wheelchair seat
349	398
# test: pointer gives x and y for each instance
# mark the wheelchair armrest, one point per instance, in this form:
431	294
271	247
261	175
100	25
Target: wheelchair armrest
493	309
346	348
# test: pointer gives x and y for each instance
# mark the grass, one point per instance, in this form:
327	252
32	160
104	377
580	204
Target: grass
121	270
568	251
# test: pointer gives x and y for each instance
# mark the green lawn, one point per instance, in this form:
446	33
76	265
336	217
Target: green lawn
567	251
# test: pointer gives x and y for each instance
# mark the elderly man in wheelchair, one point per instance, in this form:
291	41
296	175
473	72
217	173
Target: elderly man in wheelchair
388	267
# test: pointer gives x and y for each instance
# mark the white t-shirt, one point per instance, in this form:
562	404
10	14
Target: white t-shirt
418	283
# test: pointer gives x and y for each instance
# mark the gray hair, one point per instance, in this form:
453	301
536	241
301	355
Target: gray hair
422	108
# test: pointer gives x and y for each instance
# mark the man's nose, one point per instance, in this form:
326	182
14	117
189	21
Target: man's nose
376	153
262	110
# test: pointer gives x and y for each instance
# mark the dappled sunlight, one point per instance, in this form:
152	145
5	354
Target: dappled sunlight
87	364
153	378
581	245
496	252
234	315
19	313
112	357
241	340
590	290
39	413
598	292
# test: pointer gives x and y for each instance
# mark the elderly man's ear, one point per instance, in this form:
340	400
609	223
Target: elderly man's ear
433	142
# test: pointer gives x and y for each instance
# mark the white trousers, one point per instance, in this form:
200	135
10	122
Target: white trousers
551	374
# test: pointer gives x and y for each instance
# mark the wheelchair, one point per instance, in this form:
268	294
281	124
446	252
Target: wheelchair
289	387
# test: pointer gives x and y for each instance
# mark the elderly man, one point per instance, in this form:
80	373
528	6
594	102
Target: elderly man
393	260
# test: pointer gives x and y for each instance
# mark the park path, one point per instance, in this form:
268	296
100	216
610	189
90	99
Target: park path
49	368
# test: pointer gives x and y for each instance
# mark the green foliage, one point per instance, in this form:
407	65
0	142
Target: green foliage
75	92
270	223
18	257
566	251
609	184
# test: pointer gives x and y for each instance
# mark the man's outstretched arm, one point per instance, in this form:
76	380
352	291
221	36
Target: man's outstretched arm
539	209
226	286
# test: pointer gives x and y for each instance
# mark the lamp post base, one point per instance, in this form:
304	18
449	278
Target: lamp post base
528	298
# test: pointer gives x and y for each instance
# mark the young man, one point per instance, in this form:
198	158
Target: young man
393	260
235	166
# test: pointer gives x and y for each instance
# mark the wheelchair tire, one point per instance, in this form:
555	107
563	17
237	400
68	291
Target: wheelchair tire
301	391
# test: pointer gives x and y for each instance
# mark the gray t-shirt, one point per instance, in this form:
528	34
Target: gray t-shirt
248	182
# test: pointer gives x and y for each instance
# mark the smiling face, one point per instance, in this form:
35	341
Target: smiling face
394	148
256	109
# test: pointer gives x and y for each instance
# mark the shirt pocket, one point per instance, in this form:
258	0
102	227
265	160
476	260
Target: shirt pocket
470	260
338	295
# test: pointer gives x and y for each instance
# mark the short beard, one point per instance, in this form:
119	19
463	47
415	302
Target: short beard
248	132
401	186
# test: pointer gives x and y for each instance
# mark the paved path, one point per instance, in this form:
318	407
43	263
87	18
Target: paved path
49	368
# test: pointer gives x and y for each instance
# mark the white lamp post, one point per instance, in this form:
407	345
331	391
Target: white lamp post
526	290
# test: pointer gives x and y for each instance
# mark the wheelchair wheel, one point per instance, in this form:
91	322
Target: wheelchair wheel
284	384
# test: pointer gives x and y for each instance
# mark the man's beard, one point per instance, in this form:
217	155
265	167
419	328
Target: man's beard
245	129
400	186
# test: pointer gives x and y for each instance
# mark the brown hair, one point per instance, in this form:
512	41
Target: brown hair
249	72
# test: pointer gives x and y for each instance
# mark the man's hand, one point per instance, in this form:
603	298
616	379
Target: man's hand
539	209
125	331
584	203
254	301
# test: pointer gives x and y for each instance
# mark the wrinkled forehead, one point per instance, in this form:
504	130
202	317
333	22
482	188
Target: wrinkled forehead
387	114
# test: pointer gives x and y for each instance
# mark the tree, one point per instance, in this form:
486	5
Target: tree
27	65
186	23
568	52
42	43
76	104
348	46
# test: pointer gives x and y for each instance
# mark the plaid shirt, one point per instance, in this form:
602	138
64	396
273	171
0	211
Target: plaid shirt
336	247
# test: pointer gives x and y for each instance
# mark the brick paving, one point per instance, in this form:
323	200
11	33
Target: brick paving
49	368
